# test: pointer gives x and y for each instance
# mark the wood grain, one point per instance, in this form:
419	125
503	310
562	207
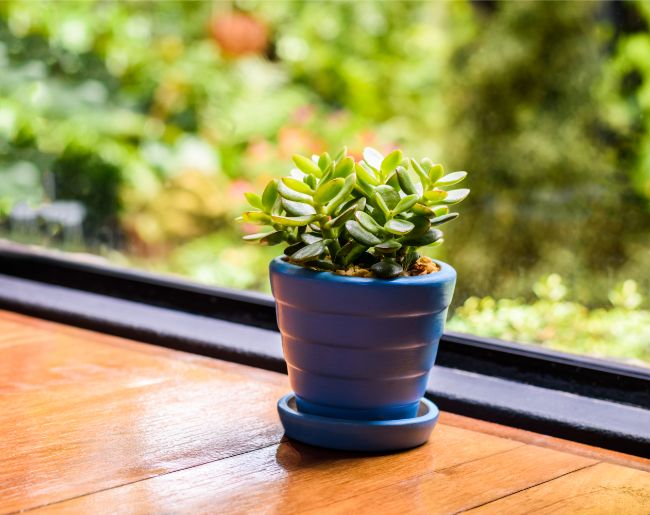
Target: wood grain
292	476
602	489
90	423
77	415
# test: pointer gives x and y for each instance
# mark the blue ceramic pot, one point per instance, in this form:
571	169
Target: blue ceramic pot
359	348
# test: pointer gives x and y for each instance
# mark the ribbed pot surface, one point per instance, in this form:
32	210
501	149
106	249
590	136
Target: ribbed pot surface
359	348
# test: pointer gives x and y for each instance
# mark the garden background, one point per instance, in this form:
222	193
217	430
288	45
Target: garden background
131	130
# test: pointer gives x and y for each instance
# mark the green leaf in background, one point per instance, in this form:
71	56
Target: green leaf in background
294	221
429	237
373	157
273	238
269	195
424	177
450	179
324	161
309	252
399	227
435	173
310	237
389	196
350	251
257	236
368	222
405	181
360	234
297	208
435	195
291	194
254	200
388	246
297	185
444	218
328	190
344	167
306	165
342	195
406	203
440	210
386	269
391	161
366	174
456	196
256	217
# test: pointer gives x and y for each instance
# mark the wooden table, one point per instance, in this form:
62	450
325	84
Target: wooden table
96	424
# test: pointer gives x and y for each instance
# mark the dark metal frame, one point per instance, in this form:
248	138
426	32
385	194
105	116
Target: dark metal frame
594	401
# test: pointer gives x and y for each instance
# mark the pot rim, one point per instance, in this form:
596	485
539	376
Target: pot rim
445	274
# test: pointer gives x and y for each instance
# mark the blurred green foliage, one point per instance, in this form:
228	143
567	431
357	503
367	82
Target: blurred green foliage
158	116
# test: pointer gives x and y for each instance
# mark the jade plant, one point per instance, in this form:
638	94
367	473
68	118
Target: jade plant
337	214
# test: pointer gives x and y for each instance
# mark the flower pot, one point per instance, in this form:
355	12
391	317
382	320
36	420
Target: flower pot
357	348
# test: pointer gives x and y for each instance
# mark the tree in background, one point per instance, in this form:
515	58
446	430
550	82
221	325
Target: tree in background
548	195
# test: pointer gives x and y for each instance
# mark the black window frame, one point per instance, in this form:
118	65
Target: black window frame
592	401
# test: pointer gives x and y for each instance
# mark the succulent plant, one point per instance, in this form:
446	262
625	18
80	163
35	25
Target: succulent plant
334	212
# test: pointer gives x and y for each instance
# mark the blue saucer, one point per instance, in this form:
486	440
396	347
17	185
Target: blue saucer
358	435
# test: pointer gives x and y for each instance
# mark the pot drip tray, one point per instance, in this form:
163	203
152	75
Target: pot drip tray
357	435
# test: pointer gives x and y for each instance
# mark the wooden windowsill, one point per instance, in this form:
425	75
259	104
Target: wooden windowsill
97	424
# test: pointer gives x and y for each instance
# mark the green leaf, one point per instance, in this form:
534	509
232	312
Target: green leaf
310	237
368	222
366	175
421	225
421	173
256	217
388	247
344	167
320	264
429	237
345	215
444	218
341	153
405	181
393	181
291	249
294	221
327	191
440	210
389	195
360	234
421	209
324	161
257	236
269	195
297	185
254	200
310	181
297	208
386	269
406	203
292	194
397	226
273	238
373	157
391	161
306	165
435	172
450	179
350	251
342	195
381	204
311	251
435	195
456	196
